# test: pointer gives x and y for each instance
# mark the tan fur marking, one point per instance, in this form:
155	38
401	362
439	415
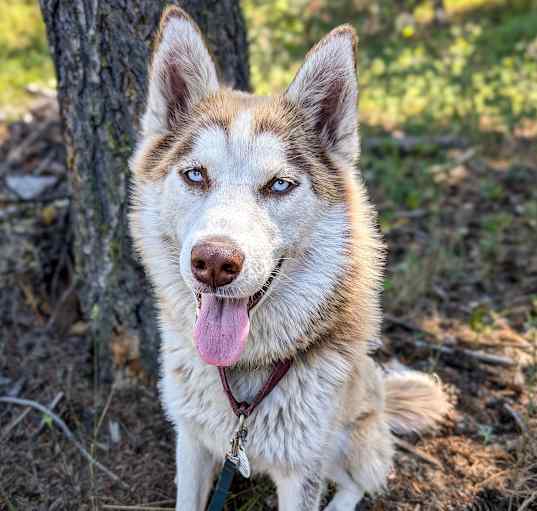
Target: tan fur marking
303	146
172	11
342	30
159	157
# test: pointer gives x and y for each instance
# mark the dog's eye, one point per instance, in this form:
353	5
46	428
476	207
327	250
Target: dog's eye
281	186
194	175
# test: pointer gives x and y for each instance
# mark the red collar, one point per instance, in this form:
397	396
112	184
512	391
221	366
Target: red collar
279	370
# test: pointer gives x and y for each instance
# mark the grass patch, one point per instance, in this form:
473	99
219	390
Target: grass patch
477	72
24	54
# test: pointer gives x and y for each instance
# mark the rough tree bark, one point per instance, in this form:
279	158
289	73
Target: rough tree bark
101	49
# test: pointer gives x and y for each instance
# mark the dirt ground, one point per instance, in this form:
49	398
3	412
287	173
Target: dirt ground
472	322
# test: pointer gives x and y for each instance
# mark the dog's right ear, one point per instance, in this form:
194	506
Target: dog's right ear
182	73
326	90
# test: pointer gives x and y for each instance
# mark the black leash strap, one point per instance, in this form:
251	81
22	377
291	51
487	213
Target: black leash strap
222	486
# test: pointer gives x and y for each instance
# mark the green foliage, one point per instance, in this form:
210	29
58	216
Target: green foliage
479	71
23	52
479	318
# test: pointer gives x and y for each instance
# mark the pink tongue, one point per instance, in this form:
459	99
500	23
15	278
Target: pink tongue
221	329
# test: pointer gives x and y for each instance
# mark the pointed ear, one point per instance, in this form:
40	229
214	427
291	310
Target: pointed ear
182	72
326	90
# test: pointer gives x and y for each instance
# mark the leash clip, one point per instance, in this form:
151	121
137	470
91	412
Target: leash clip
237	454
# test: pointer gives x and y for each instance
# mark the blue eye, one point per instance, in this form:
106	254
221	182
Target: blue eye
194	175
281	186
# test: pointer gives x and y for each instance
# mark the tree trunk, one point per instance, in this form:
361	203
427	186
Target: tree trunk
101	50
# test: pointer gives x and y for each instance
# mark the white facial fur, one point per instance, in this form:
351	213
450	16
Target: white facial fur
264	227
308	232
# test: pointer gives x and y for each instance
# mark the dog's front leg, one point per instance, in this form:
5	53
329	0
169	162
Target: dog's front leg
195	471
300	491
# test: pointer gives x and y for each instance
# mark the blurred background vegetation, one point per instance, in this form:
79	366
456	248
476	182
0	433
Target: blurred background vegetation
455	68
473	66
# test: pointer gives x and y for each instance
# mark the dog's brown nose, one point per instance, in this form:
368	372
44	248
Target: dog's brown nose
216	261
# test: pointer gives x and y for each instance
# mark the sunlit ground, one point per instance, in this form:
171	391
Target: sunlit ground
460	218
477	70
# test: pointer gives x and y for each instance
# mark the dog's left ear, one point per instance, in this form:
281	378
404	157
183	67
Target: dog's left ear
182	73
326	90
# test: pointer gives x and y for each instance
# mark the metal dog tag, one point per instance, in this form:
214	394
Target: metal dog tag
237	454
243	464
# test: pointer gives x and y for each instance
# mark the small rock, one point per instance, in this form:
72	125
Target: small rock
30	187
115	435
79	328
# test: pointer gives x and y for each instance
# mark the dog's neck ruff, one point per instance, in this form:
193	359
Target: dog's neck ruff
279	370
236	459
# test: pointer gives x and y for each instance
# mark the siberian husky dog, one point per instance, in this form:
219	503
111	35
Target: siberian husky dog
253	223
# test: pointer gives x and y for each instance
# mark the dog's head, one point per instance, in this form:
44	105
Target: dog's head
239	198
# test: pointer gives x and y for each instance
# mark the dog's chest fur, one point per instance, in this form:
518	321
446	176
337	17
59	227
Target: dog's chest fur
287	429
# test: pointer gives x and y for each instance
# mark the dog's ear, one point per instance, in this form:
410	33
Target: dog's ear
326	90
182	72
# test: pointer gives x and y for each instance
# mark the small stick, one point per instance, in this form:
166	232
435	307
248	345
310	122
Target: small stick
406	325
17	420
516	417
480	356
51	406
65	430
421	455
104	412
409	143
24	413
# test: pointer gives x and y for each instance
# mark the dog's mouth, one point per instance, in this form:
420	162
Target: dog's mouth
252	300
223	323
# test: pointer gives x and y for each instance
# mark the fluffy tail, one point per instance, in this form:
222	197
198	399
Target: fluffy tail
414	401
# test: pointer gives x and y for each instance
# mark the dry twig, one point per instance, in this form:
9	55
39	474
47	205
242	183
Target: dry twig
20	418
402	444
65	430
408	143
516	417
480	356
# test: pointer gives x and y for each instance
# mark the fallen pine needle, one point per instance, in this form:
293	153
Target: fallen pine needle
65	430
421	455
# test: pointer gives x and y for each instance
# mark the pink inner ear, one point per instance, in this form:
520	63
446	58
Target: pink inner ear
330	113
175	91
